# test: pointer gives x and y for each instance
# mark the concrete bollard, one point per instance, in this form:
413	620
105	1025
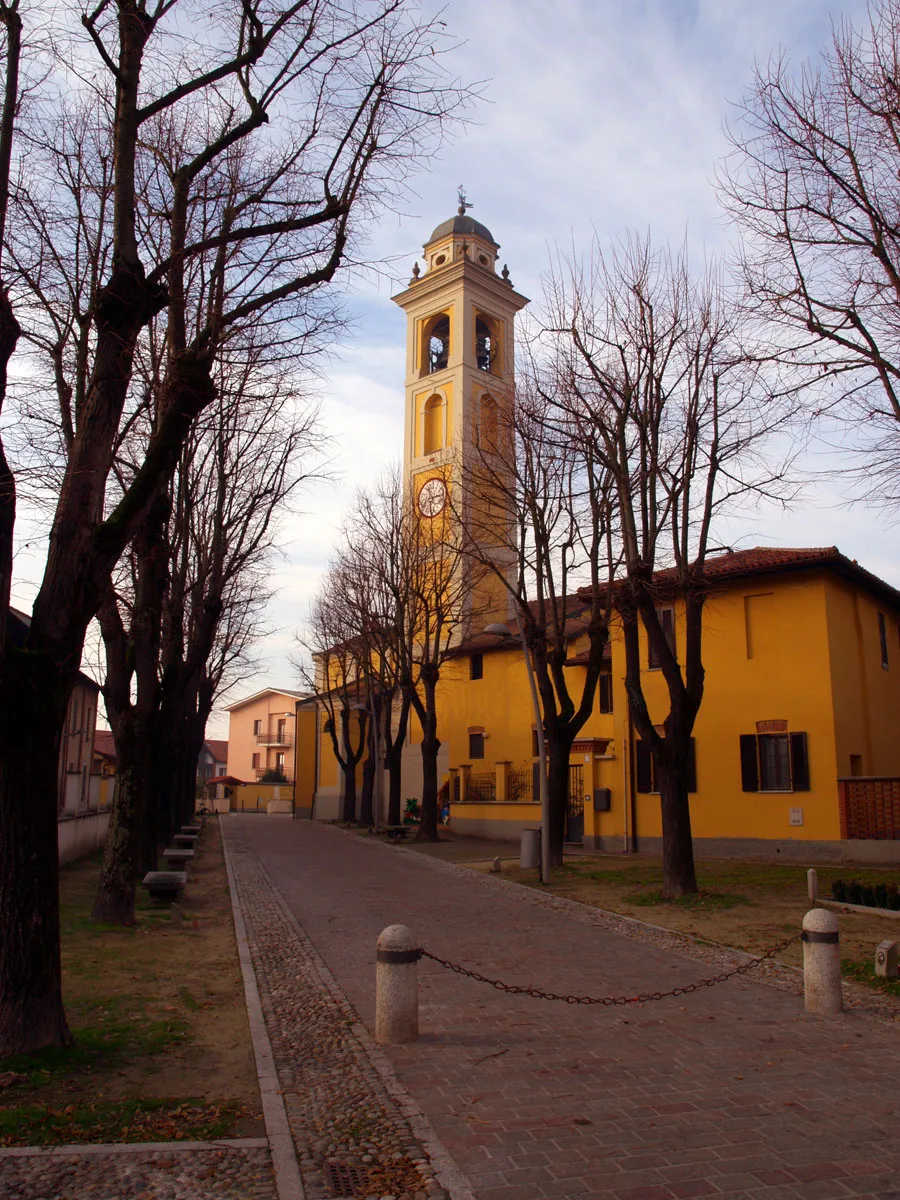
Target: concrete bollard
812	885
821	962
396	987
497	866
885	959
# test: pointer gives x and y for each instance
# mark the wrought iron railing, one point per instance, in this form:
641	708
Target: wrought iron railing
519	786
277	737
482	787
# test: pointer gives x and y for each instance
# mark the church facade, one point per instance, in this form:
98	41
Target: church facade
796	747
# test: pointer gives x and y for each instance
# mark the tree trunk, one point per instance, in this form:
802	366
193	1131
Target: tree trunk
348	800
558	784
33	697
366	810
428	821
394	744
395	786
121	857
679	877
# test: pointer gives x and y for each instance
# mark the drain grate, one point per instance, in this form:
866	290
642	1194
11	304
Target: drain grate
346	1181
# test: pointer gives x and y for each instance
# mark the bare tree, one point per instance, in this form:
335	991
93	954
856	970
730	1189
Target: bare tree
333	104
812	182
538	519
652	376
335	674
441	586
192	591
397	604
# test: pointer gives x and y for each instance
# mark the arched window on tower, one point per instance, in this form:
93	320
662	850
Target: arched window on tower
433	425
437	344
487	424
486	344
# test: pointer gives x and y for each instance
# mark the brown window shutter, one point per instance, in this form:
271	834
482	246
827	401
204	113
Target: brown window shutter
749	769
642	767
799	763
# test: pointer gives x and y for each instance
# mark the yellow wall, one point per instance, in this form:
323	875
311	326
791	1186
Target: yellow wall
254	797
866	696
803	648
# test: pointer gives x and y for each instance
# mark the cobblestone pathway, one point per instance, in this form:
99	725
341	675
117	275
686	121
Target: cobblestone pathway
171	1172
344	1114
729	1092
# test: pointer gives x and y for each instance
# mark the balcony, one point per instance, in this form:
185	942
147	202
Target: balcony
275	737
259	772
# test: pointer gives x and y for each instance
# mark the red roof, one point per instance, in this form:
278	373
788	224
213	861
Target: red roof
768	560
218	749
104	744
225	779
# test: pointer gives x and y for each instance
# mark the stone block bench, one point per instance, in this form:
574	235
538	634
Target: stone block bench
177	858
185	841
164	885
195	829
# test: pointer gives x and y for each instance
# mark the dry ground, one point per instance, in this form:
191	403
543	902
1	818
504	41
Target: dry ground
749	906
162	1047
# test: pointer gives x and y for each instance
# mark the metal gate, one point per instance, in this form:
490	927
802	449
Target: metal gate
575	806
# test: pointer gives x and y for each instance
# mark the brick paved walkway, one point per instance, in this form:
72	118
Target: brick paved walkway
730	1092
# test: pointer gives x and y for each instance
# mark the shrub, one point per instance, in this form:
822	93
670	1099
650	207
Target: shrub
879	895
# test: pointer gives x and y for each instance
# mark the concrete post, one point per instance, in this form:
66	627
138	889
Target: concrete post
812	885
885	959
821	962
501	781
396	987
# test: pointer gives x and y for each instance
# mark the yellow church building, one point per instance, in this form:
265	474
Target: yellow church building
796	746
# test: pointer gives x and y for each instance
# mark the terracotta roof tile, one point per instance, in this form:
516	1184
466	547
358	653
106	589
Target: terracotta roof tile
218	749
770	560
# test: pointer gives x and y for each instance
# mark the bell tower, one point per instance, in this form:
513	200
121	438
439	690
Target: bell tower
460	375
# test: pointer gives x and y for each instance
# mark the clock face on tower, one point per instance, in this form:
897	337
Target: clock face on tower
432	498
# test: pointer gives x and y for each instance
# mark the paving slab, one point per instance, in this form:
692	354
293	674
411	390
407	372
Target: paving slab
732	1091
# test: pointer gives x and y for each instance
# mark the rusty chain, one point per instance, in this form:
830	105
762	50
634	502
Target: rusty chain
536	993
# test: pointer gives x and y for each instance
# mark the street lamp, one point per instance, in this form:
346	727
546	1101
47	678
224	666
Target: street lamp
502	631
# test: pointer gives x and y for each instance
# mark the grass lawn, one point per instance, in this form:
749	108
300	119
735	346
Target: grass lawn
162	1047
750	906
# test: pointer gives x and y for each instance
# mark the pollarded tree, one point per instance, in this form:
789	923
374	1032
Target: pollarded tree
334	102
190	591
812	183
333	671
372	543
662	401
538	519
440	588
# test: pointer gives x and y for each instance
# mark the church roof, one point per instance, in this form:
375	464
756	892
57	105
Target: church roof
466	225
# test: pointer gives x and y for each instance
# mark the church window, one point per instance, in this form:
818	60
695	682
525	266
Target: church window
437	344
486	345
433	425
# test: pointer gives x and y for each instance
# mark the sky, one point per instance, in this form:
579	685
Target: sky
598	116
